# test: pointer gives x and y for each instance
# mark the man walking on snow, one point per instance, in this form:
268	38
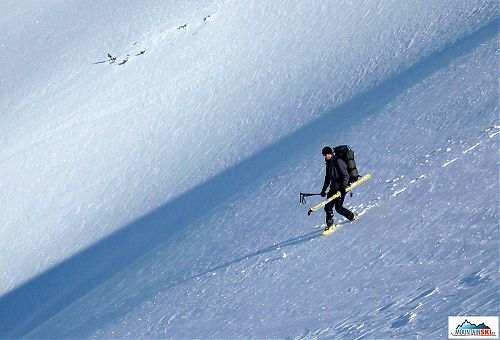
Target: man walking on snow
337	177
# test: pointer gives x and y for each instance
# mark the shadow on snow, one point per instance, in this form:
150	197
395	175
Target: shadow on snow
292	242
39	299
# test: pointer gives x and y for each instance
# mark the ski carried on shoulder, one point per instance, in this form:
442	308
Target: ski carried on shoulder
337	195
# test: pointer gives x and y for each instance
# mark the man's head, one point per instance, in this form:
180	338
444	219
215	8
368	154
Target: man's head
327	153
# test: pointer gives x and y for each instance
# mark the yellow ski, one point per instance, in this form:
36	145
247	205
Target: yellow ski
329	230
337	195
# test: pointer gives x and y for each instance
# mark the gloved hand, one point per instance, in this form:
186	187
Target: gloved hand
323	193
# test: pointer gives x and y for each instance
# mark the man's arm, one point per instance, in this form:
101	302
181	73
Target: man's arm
325	185
343	173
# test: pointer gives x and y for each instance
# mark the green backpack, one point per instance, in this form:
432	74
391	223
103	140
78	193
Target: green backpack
345	153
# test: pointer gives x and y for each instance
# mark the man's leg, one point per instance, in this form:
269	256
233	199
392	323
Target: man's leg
329	214
339	207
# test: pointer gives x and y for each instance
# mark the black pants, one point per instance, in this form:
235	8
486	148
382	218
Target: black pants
338	204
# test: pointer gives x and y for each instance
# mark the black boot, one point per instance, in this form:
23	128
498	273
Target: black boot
329	223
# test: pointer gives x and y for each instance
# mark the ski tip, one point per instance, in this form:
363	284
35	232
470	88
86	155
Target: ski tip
309	212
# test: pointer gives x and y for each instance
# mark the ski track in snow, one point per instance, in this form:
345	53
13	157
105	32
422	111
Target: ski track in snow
398	312
399	185
173	34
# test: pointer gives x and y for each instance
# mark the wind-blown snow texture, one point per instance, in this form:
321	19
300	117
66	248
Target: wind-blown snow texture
159	198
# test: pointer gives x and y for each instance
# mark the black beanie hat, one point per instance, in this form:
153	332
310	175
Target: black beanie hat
327	151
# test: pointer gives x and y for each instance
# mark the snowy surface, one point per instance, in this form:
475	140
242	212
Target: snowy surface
159	198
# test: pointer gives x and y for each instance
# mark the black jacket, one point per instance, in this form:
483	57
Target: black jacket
336	175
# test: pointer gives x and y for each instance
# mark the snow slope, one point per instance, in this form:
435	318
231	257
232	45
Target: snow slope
168	250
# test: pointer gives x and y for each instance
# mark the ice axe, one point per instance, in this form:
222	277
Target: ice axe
304	195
